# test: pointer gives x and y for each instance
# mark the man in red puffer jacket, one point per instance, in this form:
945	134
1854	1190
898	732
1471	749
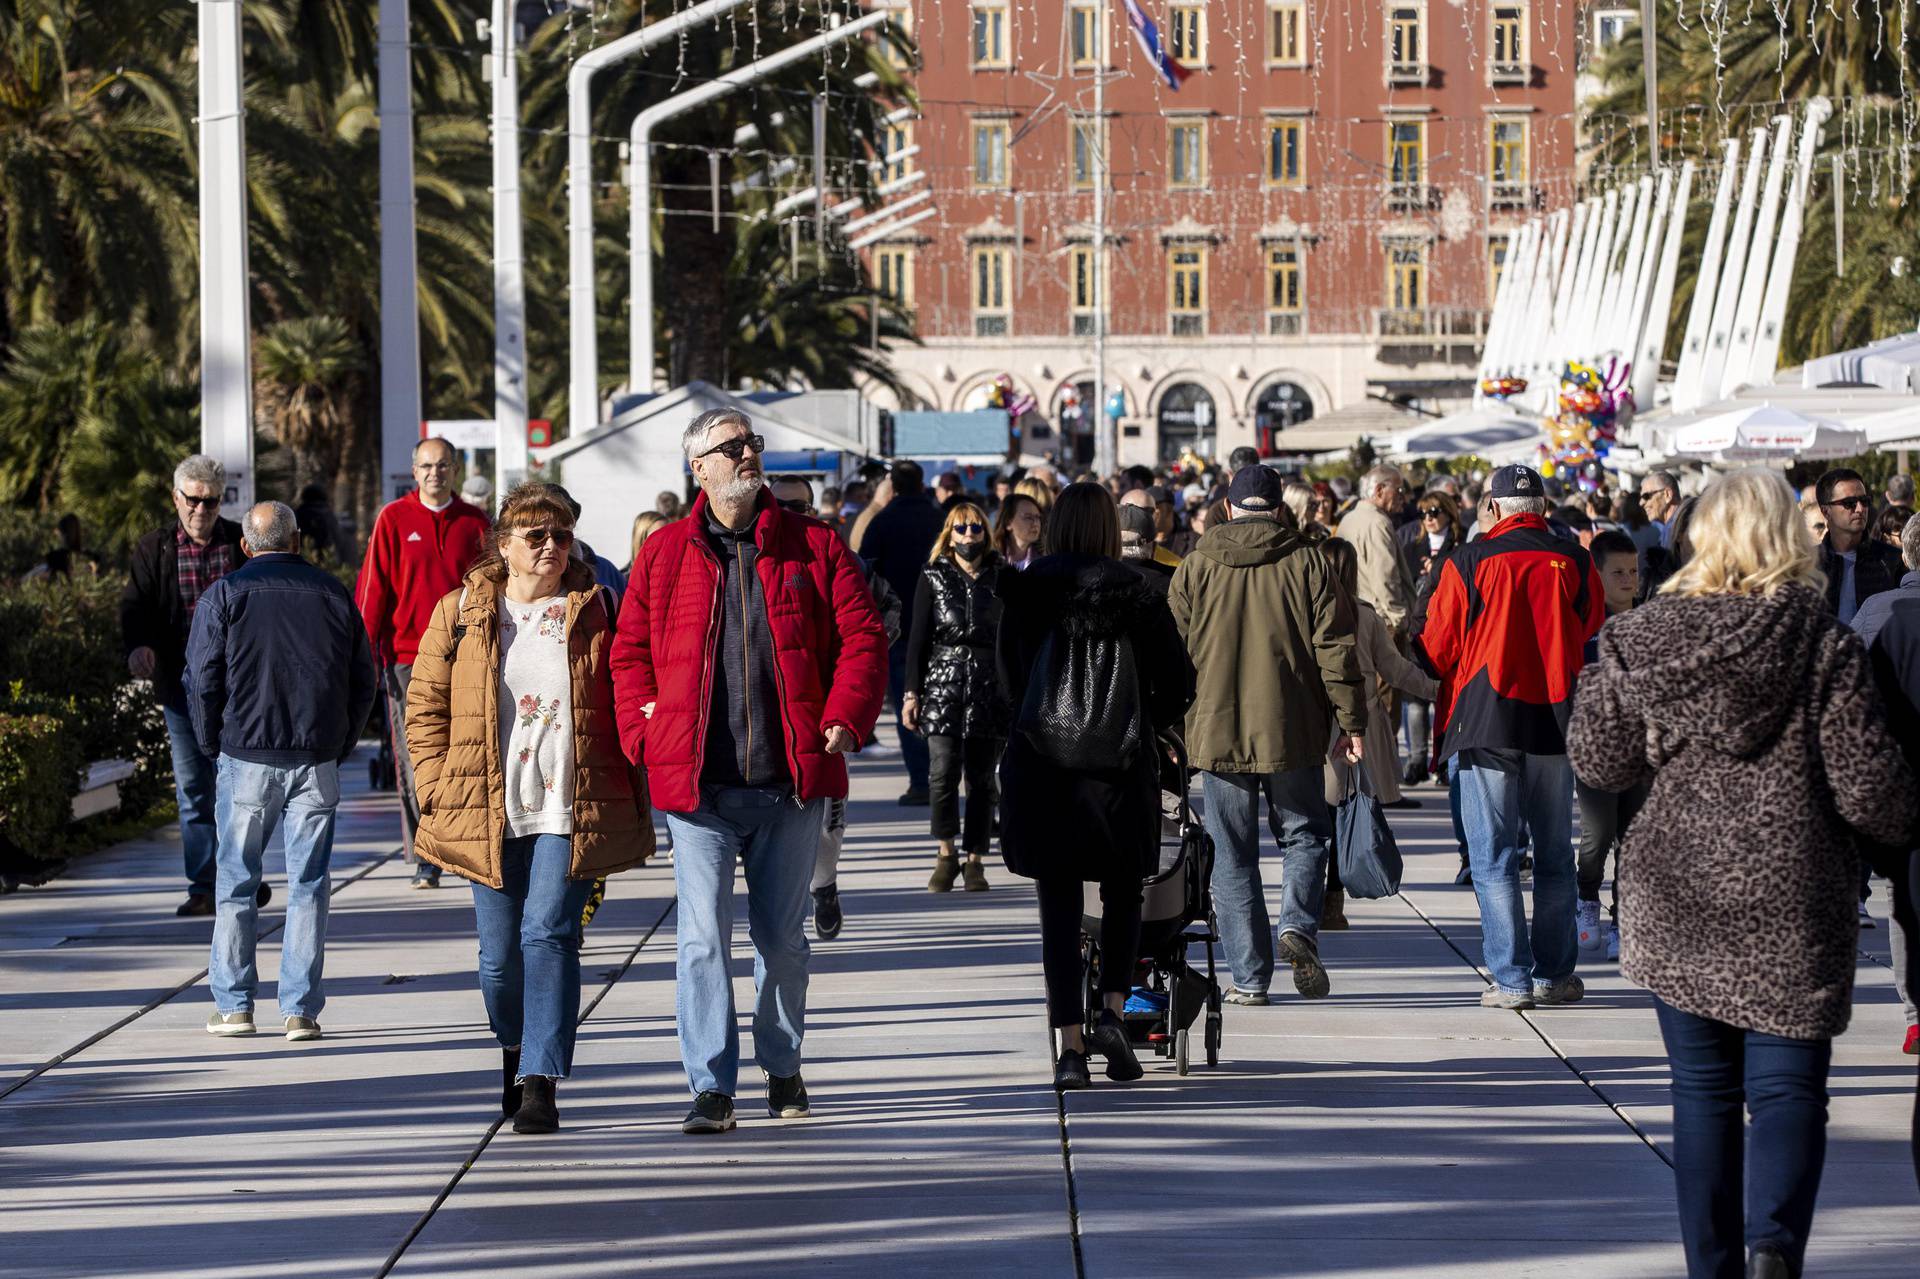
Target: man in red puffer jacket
750	658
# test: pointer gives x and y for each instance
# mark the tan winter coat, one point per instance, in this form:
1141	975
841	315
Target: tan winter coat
1386	581
453	735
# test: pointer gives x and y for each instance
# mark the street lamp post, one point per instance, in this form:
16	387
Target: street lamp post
399	304
226	365
509	275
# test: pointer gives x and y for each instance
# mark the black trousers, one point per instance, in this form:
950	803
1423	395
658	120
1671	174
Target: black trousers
1061	902
949	760
1604	818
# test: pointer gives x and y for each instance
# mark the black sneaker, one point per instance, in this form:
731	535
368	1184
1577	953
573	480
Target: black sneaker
1464	877
1109	1039
712	1112
262	895
511	1094
827	916
1309	974
1070	1073
916	797
787	1098
537	1112
1767	1262
196	904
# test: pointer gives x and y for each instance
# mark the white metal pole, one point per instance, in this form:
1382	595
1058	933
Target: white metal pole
1509	300
1764	359
1586	290
226	366
640	185
1613	335
1649	258
1653	332
1693	347
1536	334
1727	297
1753	285
509	276
583	340
399	304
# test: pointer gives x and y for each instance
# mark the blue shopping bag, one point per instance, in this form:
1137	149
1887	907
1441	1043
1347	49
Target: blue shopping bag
1370	863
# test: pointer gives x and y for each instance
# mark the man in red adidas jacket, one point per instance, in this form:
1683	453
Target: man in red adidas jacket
750	658
1505	630
421	548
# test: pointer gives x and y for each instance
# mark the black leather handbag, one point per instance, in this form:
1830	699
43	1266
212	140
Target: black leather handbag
1082	707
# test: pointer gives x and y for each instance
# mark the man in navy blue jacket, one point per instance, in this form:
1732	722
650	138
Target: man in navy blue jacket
279	681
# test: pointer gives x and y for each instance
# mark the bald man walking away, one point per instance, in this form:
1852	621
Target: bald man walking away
279	682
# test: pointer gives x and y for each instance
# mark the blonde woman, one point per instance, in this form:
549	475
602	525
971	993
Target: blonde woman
1752	714
953	694
523	787
644	525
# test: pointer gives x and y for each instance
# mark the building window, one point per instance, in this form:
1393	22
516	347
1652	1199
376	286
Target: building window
1510	37
1286	33
1610	27
1507	158
1087	138
1084	32
1406	47
991	268
1085	284
895	141
1187	29
1186	155
1496	263
1407	158
1284	294
893	273
1186	290
989	34
1286	153
1406	277
990	155
896	41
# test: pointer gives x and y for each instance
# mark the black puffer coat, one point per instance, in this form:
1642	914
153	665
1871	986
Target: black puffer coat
950	665
1058	823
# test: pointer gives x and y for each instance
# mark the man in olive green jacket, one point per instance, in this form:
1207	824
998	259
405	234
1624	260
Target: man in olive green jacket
1273	650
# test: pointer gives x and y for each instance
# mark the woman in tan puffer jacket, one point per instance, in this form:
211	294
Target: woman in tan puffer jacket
523	787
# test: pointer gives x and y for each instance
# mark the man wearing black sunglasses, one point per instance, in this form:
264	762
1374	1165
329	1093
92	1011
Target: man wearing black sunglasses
171	568
1858	567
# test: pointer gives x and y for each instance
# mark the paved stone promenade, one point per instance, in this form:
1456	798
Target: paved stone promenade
1394	1129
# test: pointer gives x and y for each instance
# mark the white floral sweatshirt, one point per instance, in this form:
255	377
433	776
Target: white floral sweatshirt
536	717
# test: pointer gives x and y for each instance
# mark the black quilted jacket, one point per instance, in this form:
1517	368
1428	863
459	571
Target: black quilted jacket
950	663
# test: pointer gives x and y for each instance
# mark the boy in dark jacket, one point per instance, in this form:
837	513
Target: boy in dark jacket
279	682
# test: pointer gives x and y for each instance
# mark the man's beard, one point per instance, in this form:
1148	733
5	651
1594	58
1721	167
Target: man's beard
740	490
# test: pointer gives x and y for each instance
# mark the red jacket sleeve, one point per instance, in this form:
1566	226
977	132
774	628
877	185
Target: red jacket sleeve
373	592
635	682
858	682
1443	638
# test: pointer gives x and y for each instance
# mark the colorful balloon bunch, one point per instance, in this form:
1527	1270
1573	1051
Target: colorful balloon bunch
1583	432
1501	388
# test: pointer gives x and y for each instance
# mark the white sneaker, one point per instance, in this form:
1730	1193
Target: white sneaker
879	750
1586	916
1613	942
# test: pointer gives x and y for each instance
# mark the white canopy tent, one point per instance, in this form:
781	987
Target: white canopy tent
1493	432
1766	432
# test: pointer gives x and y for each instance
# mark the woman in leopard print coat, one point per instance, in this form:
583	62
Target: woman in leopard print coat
1754	715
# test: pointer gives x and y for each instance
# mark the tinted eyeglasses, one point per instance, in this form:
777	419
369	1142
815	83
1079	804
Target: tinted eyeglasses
1848	503
1432	513
799	506
969	527
538	537
199	503
736	448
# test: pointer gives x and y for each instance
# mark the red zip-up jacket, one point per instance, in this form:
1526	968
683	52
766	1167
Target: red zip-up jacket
414	558
1505	635
829	651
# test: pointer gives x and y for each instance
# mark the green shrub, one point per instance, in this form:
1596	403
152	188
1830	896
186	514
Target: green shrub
25	538
40	765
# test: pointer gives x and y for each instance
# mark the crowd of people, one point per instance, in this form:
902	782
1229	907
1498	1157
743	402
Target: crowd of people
1720	688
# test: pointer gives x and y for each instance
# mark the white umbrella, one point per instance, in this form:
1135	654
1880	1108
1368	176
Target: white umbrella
1766	433
1480	431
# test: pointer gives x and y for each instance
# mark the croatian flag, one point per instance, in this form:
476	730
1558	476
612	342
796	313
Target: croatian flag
1149	36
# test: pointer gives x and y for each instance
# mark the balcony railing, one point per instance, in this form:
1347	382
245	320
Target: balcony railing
1509	73
1412	195
1428	326
1406	73
1515	195
1286	324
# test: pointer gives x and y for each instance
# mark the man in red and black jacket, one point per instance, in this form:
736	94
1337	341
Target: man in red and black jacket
1505	630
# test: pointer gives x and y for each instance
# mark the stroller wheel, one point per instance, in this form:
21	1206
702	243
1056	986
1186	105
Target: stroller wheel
1213	1039
1180	1053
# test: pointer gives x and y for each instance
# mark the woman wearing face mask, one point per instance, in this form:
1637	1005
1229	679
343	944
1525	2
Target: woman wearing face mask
953	694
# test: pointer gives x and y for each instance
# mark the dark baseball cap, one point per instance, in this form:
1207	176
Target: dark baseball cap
1257	488
1516	481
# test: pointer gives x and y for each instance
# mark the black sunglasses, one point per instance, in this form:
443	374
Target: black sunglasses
736	448
1431	510
969	528
1848	503
537	537
799	506
199	503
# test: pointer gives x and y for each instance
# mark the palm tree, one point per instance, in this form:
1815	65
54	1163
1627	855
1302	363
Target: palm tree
55	378
306	373
117	471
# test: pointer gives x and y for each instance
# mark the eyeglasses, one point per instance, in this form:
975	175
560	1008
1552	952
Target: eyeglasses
199	503
736	448
799	506
970	528
1647	495
538	537
1432	513
1848	503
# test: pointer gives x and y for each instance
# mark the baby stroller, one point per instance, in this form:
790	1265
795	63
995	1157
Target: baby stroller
1176	912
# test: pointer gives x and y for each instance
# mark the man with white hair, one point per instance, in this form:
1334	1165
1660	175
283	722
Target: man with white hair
280	681
750	659
1386	580
172	568
1506	628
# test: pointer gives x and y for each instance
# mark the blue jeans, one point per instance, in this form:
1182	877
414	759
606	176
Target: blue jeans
1719	1070
530	952
254	799
914	752
777	840
1504	795
195	789
1302	825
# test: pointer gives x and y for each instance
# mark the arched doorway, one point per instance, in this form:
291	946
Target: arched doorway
1186	420
1281	404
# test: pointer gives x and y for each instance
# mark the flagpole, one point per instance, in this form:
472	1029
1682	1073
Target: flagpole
1106	432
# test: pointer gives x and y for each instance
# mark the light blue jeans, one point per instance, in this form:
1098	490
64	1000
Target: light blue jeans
1302	826
254	799
776	839
530	952
1504	797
